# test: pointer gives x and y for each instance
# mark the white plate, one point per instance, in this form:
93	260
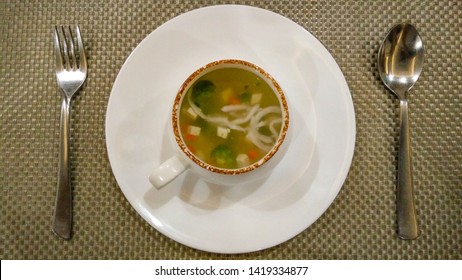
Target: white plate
241	218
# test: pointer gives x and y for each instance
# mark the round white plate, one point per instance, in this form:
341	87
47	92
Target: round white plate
241	218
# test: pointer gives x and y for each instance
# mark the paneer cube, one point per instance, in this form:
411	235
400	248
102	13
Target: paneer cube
256	98
242	160
194	130
223	132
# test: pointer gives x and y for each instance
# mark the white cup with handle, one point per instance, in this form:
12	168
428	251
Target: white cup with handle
229	123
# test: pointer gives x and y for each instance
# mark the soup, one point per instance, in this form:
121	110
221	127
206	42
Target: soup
230	118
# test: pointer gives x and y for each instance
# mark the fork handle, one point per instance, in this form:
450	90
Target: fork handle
62	221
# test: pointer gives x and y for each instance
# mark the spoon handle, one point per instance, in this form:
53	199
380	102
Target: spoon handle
62	220
407	221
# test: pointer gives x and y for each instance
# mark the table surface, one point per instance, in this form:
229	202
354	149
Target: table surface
361	222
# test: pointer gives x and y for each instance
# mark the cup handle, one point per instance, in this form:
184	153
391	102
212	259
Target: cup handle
168	171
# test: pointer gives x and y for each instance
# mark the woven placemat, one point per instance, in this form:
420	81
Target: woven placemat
360	224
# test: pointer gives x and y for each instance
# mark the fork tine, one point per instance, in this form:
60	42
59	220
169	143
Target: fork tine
70	40
58	54
65	48
83	59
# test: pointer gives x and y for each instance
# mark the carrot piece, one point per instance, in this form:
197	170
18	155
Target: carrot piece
190	137
234	101
252	154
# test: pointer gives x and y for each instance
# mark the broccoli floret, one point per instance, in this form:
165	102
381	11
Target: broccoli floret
245	97
223	156
201	92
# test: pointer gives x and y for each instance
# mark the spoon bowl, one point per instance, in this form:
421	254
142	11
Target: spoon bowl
400	62
400	59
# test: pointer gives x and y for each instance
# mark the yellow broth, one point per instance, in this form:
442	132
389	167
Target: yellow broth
230	118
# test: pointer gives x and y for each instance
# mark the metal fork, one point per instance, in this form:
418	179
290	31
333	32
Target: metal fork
71	72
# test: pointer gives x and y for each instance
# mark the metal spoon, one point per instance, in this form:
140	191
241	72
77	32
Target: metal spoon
400	62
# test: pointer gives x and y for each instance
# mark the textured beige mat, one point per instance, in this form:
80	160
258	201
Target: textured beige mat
361	222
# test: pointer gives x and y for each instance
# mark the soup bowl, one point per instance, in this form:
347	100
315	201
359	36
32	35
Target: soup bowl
229	124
